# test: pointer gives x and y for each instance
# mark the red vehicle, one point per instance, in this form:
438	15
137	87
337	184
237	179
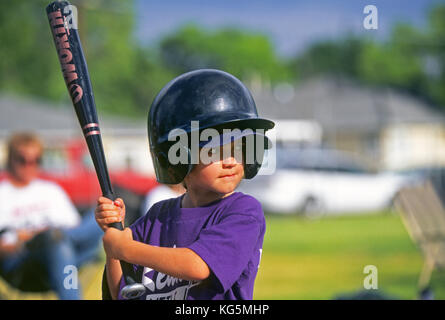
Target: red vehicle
70	166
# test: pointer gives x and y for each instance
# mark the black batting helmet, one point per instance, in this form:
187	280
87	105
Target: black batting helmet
214	98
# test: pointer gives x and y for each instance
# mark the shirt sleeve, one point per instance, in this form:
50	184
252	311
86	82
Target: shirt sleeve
228	246
141	226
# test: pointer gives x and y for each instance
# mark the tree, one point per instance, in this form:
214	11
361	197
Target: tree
396	63
244	54
435	43
29	63
330	57
411	59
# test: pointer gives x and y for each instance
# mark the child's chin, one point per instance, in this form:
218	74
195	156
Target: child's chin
227	190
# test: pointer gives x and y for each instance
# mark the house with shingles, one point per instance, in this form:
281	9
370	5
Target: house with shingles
389	129
385	128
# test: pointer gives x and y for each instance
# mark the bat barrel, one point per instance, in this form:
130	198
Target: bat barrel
95	148
63	23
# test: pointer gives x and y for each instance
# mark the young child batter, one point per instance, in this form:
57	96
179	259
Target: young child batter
207	243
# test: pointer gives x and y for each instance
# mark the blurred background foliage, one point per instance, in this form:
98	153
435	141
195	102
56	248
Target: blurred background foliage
242	53
127	73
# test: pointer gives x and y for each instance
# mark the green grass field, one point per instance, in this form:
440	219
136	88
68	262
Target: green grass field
321	259
316	259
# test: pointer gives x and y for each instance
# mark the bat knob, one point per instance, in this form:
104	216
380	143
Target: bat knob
133	291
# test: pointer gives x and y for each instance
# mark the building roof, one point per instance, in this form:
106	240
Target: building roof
342	105
336	104
21	114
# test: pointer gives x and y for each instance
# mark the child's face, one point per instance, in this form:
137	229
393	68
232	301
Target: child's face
221	176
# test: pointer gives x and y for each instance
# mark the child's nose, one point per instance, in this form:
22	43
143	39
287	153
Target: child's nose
229	161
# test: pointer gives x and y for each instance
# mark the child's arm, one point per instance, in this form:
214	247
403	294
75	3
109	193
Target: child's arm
181	263
114	274
108	212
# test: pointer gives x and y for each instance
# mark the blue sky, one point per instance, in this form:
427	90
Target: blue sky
290	24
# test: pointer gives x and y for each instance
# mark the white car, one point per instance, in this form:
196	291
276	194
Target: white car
322	181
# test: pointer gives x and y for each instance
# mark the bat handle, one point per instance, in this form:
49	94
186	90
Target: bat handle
110	195
132	289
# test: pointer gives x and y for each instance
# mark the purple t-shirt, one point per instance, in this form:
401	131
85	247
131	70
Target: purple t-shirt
227	234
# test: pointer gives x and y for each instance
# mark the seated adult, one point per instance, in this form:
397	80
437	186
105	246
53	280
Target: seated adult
43	239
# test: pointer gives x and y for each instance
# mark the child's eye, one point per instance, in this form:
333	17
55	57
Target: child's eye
212	151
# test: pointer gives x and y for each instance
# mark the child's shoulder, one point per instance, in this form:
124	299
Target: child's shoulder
240	197
242	203
159	213
162	209
164	206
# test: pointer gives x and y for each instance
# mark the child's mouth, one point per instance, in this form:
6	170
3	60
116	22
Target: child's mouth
228	176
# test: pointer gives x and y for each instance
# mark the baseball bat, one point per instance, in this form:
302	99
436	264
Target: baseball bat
62	18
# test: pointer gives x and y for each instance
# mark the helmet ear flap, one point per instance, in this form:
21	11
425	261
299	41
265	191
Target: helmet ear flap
169	173
251	168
